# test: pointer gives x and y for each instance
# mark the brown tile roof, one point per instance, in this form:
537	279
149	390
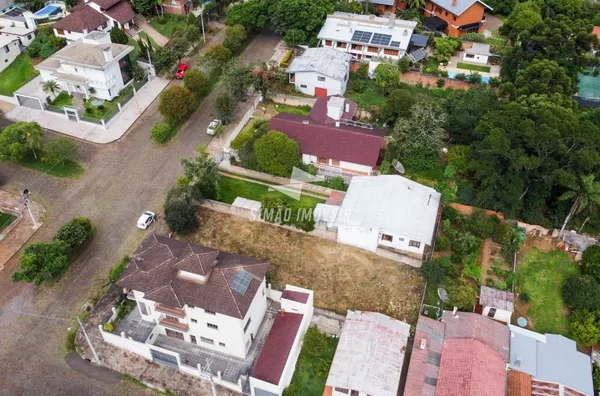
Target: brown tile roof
106	4
153	270
470	368
519	383
278	345
82	18
122	12
295	296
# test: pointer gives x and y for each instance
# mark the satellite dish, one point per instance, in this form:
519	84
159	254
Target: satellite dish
398	166
443	294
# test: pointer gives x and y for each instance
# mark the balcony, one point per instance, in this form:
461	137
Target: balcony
172	324
178	312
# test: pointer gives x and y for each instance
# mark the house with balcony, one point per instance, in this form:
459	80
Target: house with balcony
177	7
367	37
455	17
320	72
92	66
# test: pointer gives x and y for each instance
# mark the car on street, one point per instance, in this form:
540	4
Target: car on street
181	71
213	127
146	219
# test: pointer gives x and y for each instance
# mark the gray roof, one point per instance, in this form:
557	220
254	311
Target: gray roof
550	357
419	40
479	49
460	7
326	61
382	2
5	40
501	299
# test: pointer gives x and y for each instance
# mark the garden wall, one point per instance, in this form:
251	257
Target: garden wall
414	78
292	100
9	99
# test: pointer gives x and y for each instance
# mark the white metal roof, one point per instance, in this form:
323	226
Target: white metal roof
5	40
341	27
391	203
370	354
16	30
479	49
325	61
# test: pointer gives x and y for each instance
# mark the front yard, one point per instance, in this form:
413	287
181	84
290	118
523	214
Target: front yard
471	67
16	75
540	278
341	276
168	25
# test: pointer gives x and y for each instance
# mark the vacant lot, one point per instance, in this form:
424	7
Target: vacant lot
540	278
232	188
341	276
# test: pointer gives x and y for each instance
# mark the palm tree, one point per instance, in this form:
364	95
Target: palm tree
51	87
585	193
159	3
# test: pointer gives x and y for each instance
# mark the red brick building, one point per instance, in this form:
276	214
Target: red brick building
455	17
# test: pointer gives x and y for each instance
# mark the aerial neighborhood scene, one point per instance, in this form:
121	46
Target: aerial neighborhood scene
300	197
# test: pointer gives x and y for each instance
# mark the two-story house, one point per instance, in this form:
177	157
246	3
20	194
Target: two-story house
455	17
387	6
177	7
9	50
93	15
366	37
320	72
90	62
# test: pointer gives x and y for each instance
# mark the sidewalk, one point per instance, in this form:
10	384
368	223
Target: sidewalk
150	31
90	132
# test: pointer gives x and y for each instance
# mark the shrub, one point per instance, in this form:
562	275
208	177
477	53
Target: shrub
101	108
475	78
180	216
161	20
465	243
176	102
581	292
442	243
117	36
449	267
591	261
385	167
584	326
117	270
596	376
482	225
512	241
41	261
108	327
432	272
285	62
240	140
404	64
160	132
273	209
460	77
59	150
463	297
75	233
471	268
440	82
474	37
277	154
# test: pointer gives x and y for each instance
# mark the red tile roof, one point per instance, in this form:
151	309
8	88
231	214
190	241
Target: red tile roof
275	353
82	18
295	296
470	368
122	12
106	4
424	363
519	383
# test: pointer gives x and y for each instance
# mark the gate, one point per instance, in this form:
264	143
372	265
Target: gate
164	358
29	101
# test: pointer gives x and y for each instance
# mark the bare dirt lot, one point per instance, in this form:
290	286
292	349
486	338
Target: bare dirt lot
341	276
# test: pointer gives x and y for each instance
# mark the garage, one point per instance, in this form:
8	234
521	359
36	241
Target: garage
320	92
164	358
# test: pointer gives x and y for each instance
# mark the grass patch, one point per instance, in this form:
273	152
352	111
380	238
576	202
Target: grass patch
67	168
540	277
431	66
117	269
370	96
172	23
16	75
299	110
63	99
427	176
468	66
6	220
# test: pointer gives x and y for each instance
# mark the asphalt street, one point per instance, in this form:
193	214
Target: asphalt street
121	180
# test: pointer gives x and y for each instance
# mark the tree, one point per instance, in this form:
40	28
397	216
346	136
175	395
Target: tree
161	132
252	14
234	38
225	107
180	216
143	6
266	79
195	81
201	176
584	193
51	87
542	77
164	58
523	18
41	261
179	45
192	33
387	77
398	104
581	292
466	108
214	58
59	150
191	19
18	138
432	272
445	48
75	233
584	326
416	4
404	64
272	209
237	79
117	36
304	15
463	297
294	37
176	102
277	154
591	261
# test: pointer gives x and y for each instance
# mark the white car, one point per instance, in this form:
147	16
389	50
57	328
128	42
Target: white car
212	127
146	219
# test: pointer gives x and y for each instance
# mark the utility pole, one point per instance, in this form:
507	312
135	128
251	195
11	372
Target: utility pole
212	382
96	360
202	21
25	201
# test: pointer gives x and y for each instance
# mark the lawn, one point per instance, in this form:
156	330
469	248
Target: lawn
16	75
5	220
63	99
370	96
171	24
342	277
101	111
427	176
468	66
540	278
67	168
299	110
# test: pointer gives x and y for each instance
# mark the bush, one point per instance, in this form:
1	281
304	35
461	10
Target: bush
117	270
195	81
440	82
581	292
465	243
285	62
463	297
385	167
471	268
161	20
59	150
75	233
41	261
475	78
432	272
180	216
591	261
117	36
584	326
404	64
442	243
482	225
596	376
474	37
358	86
277	154
449	267
273	209
101	108
160	132
240	140
460	77
176	102
108	327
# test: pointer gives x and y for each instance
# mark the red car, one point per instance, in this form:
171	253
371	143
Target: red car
181	71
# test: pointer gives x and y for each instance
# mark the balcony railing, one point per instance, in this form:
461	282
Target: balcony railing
172	323
180	313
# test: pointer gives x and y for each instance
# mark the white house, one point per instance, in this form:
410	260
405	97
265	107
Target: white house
276	364
496	304
478	53
320	72
367	36
390	212
14	16
92	66
9	50
25	35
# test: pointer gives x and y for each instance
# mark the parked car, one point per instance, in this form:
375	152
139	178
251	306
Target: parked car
146	219
213	127
181	71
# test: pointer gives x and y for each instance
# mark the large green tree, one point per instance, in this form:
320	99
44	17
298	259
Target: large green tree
41	261
19	138
277	154
237	79
466	108
541	77
176	102
387	77
201	176
305	15
252	14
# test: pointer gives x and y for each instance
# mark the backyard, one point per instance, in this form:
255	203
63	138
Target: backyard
168	25
540	278
341	276
370	96
16	75
469	66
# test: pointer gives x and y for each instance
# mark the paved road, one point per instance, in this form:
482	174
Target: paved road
121	180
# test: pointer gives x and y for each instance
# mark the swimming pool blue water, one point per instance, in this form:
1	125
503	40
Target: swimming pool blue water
48	11
484	79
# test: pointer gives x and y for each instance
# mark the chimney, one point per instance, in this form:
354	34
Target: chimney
392	18
423	343
454	2
347	107
108	55
337	123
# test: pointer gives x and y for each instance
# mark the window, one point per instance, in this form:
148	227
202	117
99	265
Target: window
207	340
372	49
328	43
6	49
341	390
29	37
414	244
60	31
247	324
322	160
492	312
221	344
341	45
438	9
391	52
320	78
387	238
212	326
353	393
143	308
193	339
174	334
335	162
470	56
210	312
446	13
303	86
357	47
194	320
454	18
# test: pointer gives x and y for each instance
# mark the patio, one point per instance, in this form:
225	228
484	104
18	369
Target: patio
133	326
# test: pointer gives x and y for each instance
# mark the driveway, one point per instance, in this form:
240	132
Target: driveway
122	179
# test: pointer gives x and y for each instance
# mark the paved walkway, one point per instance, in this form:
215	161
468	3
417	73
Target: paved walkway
150	31
90	132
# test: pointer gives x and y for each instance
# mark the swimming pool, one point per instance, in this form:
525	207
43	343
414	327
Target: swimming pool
47	11
452	75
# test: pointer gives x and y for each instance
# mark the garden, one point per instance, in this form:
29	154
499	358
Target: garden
169	25
496	268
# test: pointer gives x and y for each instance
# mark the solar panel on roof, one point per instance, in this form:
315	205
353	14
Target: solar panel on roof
381	39
361	36
241	282
395	44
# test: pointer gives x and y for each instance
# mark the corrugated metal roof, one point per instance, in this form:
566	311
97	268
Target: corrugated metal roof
326	61
501	299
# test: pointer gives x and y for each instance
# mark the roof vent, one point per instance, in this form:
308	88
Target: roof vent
423	343
305	122
518	361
